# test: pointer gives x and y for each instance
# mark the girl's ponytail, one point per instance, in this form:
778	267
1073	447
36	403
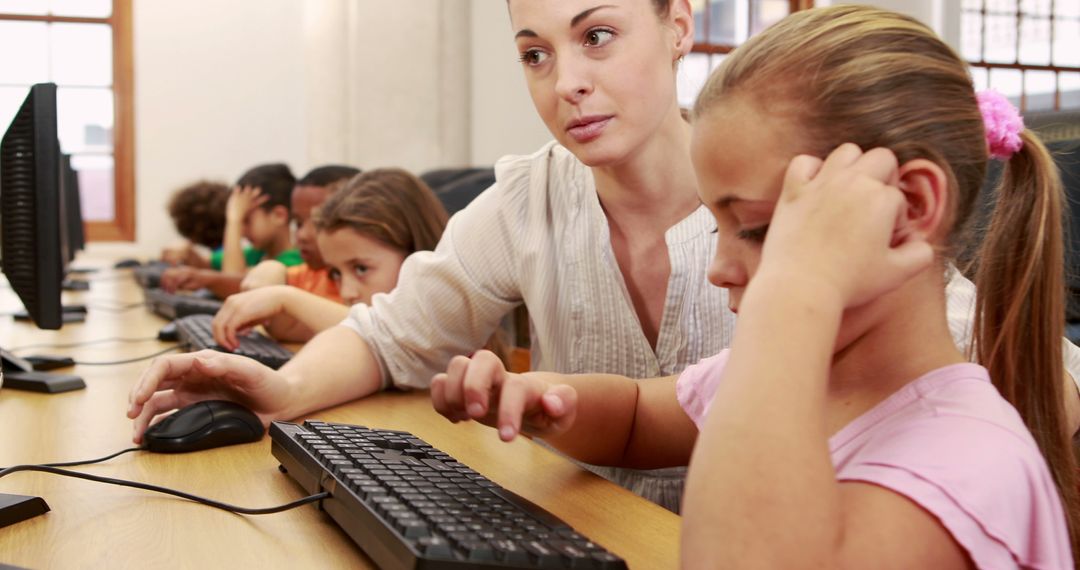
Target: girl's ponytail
1020	309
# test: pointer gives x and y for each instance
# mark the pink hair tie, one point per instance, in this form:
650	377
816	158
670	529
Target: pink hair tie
1003	124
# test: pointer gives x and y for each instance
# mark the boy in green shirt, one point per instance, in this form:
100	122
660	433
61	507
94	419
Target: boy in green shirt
258	210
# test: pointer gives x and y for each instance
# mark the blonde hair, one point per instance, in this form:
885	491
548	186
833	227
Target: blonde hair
880	79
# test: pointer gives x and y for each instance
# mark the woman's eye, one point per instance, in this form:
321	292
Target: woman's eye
533	57
598	37
360	270
335	276
756	235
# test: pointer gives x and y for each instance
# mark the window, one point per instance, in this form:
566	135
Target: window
84	46
720	26
1027	49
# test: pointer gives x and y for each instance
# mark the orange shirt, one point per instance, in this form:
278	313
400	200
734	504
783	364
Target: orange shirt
315	281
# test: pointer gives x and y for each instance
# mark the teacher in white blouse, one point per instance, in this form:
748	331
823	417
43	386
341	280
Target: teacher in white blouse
599	233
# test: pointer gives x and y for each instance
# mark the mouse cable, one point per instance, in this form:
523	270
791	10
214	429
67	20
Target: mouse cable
129	360
87	461
167	491
83	343
114	308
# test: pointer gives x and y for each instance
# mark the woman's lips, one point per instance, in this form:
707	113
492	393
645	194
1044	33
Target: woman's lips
586	129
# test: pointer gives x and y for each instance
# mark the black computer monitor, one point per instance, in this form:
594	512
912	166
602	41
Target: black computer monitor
30	207
74	231
31	217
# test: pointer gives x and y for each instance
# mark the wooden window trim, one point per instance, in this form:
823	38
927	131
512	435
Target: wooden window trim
122	227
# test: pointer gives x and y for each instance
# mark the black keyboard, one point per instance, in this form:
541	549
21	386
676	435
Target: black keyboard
409	505
149	275
196	333
175	306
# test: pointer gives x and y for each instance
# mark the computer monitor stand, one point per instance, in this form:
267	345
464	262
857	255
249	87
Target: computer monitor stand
17	508
75	285
69	314
18	374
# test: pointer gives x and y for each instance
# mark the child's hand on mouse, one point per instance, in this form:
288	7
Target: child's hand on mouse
479	388
840	222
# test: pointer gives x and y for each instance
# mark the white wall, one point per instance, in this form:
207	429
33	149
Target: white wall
221	86
504	120
218	88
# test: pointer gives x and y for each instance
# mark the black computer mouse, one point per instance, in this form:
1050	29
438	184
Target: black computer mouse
169	333
127	263
204	425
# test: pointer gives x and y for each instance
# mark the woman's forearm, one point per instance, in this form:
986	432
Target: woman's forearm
316	386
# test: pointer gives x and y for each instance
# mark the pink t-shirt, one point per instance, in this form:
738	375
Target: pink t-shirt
949	442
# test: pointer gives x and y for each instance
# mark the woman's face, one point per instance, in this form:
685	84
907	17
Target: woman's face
601	72
360	265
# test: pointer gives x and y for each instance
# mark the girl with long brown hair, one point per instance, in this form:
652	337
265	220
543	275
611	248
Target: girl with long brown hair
365	230
840	152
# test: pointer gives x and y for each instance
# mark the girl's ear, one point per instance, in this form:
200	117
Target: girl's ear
681	20
926	187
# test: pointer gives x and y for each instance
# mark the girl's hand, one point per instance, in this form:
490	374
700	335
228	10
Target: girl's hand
480	388
243	311
177	253
176	381
842	222
184	278
243	200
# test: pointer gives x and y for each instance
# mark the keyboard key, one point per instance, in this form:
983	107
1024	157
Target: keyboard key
435	547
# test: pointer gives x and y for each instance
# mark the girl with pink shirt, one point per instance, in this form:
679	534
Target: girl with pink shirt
841	153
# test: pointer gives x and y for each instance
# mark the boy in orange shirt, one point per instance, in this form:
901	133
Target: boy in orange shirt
312	275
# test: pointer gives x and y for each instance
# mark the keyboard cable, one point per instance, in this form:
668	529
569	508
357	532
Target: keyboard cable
84	343
129	360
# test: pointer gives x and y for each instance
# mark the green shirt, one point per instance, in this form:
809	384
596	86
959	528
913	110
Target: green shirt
252	257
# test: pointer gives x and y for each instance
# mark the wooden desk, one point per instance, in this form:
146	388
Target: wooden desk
93	525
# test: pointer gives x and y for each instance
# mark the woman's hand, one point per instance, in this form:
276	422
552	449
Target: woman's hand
176	381
243	311
842	222
479	388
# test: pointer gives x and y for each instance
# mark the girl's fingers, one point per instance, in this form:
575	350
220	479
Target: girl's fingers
800	172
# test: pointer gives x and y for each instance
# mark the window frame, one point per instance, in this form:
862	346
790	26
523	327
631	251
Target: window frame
1057	70
708	48
122	226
